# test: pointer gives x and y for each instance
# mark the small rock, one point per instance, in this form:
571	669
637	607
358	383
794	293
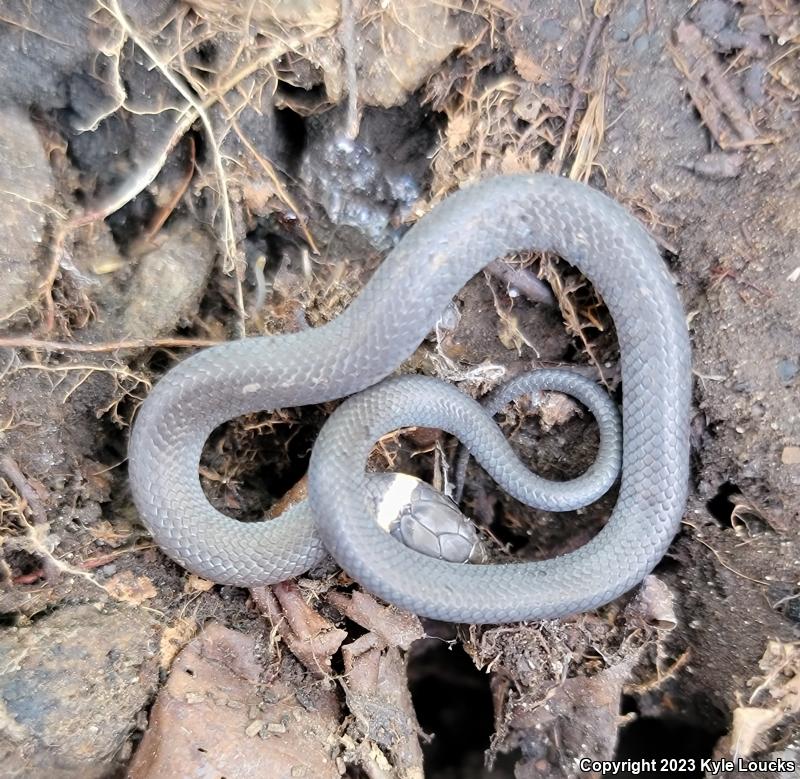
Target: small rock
718	165
791	455
72	685
398	49
168	283
787	370
211	738
26	188
620	35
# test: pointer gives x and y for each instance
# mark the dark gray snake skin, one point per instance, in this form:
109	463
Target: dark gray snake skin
380	329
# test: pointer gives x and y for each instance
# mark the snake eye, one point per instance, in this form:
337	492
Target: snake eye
424	519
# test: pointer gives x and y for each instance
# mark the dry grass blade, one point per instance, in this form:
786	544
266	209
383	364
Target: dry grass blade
580	81
591	131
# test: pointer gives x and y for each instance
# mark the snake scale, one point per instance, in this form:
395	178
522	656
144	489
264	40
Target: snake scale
354	353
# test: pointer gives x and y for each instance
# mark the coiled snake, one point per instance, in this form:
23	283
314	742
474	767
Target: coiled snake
380	329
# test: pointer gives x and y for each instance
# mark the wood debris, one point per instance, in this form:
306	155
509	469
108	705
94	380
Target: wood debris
718	101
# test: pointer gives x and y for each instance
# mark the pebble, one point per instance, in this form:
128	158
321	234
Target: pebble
791	455
551	30
26	189
787	370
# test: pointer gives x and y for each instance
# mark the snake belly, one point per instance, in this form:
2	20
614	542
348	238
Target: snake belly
367	342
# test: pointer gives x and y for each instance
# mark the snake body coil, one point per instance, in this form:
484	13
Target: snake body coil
380	329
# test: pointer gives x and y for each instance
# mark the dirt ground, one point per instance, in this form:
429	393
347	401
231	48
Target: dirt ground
176	174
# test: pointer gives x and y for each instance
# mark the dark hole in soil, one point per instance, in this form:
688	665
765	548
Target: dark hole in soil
291	128
207	53
453	702
307	95
254	460
131	220
559	454
669	564
721	506
670	739
509	537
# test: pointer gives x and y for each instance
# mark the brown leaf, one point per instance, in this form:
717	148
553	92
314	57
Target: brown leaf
174	638
195	583
129	588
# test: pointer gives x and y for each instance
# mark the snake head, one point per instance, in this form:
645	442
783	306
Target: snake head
424	519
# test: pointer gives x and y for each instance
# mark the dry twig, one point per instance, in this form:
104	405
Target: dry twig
29	342
579	90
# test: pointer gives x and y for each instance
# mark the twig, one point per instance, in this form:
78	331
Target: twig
660	677
347	38
137	183
46	288
580	86
86	565
25	342
10	468
163	213
717	101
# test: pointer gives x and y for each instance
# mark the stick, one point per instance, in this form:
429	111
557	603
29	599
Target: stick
580	86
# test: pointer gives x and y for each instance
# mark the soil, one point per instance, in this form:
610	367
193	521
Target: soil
135	232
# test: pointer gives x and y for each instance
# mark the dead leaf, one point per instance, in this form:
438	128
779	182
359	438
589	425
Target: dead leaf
654	604
778	692
529	69
129	588
174	638
196	583
749	727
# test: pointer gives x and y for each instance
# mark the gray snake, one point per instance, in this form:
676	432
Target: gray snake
368	341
